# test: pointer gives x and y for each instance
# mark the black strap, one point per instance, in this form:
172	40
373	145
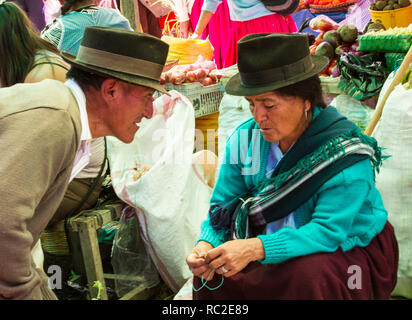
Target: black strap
87	195
50	62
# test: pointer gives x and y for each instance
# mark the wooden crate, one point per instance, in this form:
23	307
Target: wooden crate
84	228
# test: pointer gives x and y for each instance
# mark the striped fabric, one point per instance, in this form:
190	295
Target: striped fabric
256	206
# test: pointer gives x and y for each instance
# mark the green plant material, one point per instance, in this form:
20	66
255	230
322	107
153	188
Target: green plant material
97	284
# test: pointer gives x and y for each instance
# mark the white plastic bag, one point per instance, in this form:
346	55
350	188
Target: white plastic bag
170	198
353	109
394	133
129	256
233	110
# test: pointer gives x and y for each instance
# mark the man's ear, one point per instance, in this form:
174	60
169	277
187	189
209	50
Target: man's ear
109	89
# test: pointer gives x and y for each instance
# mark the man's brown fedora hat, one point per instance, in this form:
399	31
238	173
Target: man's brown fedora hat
269	61
134	57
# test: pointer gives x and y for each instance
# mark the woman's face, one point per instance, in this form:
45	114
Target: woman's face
280	118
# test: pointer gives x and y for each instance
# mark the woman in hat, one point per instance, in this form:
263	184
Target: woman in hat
246	17
294	213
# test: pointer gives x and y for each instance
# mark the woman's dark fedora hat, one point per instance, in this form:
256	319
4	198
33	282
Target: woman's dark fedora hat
269	61
134	57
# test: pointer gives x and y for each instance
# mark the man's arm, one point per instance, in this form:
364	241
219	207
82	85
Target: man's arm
36	145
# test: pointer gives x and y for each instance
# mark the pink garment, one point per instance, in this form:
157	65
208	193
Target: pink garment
218	29
239	29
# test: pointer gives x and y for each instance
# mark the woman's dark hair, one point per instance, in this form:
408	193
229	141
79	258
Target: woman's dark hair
19	43
68	4
85	79
308	89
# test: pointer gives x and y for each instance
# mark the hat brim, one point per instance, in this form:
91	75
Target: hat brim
235	87
133	79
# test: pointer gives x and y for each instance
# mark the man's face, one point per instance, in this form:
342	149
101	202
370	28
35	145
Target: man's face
132	104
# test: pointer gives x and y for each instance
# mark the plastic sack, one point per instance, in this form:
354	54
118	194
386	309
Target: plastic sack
129	257
186	292
361	77
353	110
187	50
155	174
394	181
233	110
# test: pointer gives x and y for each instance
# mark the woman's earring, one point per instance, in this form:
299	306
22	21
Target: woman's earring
306	114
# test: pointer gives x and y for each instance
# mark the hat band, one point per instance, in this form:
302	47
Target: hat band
284	73
120	63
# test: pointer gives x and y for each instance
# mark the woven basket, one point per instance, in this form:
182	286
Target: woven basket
335	8
55	242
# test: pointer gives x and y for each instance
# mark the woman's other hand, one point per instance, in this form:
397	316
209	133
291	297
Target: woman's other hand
196	260
185	28
235	255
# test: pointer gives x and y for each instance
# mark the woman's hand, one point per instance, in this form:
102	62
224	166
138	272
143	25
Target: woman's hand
235	255
185	28
197	263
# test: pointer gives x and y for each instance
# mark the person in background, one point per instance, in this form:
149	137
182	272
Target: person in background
217	30
295	213
26	57
35	11
246	17
66	32
44	124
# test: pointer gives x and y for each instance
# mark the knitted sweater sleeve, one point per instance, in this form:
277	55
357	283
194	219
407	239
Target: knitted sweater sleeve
337	203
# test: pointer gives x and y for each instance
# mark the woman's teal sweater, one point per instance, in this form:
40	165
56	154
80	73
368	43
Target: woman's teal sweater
347	211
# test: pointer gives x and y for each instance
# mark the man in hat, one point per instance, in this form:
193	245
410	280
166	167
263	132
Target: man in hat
43	125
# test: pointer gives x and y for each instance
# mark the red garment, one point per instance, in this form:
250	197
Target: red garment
239	29
171	18
217	29
315	276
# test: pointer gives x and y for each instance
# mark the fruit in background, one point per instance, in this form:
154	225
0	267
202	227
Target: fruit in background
333	37
384	5
341	49
375	26
348	33
331	65
335	71
312	49
319	38
320	23
380	4
325	49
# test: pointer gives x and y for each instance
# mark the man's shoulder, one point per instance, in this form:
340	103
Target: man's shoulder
23	97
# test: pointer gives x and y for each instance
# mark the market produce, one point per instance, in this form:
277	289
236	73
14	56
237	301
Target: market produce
326	2
334	41
333	37
348	33
323	23
198	71
374	26
384	5
325	49
392	31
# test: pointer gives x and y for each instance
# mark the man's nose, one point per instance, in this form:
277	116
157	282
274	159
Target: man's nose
148	111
